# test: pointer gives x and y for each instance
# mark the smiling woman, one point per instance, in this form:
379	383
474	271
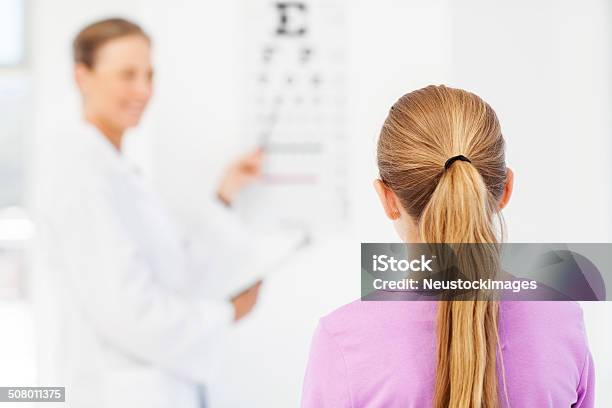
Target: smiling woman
135	326
114	74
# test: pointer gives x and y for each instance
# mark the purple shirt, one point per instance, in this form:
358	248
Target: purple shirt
383	354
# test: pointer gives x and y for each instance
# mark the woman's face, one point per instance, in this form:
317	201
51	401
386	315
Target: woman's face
117	89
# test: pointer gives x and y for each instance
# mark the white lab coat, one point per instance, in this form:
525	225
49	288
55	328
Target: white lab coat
134	328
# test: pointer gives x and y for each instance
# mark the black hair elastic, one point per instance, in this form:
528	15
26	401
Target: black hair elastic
453	159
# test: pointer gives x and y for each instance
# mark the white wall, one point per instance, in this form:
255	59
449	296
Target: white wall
544	68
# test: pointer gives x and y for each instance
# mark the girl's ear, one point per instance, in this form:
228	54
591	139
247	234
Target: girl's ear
388	199
503	201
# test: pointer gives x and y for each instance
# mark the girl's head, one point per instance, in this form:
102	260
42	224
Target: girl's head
443	177
114	73
424	129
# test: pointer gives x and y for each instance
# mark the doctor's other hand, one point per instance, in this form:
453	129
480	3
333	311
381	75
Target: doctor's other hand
245	301
238	174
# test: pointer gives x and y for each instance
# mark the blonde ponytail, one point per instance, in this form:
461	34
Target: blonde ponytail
453	205
461	211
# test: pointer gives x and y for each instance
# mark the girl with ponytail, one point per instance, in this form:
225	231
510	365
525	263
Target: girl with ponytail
443	179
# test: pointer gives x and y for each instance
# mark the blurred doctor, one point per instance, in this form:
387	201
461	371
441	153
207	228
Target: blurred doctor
135	329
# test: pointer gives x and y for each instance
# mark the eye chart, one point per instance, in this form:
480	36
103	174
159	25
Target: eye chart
296	89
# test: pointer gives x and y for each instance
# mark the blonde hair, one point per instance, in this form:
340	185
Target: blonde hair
455	205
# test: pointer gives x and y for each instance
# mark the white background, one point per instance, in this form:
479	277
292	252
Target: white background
545	68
